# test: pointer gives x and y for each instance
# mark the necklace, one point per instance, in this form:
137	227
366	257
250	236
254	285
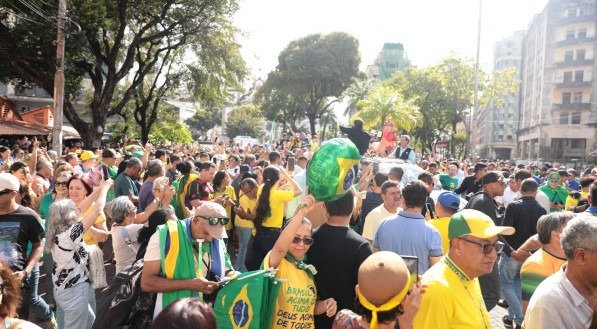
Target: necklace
463	280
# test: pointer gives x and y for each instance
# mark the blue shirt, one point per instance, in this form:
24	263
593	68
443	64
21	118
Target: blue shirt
409	234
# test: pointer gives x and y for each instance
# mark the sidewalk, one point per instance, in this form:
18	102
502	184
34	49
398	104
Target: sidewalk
496	317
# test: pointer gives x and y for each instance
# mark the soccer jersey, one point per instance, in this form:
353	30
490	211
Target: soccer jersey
452	300
537	268
448	183
441	224
248	205
277	200
229	191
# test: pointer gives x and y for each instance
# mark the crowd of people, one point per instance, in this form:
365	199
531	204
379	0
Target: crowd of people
439	251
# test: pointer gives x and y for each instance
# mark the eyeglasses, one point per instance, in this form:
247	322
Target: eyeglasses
487	247
63	184
307	241
213	221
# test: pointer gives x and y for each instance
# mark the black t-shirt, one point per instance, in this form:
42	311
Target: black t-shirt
16	230
371	201
337	254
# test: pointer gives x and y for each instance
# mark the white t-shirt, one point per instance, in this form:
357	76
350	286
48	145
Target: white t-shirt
374	217
123	254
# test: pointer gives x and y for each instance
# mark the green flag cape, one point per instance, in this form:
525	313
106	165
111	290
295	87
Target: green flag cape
247	301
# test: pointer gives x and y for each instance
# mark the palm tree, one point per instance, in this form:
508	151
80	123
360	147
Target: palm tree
384	103
356	91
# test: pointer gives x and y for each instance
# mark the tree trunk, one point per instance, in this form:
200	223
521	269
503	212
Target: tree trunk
312	121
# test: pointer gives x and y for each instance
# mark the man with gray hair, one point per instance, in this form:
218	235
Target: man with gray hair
125	182
154	169
567	298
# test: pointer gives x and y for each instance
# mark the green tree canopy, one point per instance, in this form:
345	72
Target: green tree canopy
313	72
115	37
245	120
203	120
384	103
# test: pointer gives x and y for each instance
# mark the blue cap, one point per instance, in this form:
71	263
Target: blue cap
449	200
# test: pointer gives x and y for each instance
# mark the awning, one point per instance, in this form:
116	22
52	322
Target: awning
11	128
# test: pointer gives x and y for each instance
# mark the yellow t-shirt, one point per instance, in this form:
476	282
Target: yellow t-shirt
452	300
277	200
441	224
247	205
87	237
295	304
229	190
537	268
572	202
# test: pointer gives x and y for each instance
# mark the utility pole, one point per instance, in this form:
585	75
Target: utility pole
59	81
476	86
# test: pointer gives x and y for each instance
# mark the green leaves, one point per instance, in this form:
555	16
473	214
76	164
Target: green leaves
245	120
310	70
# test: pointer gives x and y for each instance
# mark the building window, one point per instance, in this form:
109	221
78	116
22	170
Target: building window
566	98
568	76
569	55
577	97
569	35
578	76
582	33
564	119
580	55
578	143
575	118
571	12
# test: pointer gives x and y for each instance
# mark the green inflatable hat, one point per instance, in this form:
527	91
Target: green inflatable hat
331	172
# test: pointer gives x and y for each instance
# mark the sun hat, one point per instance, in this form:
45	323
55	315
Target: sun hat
211	209
382	267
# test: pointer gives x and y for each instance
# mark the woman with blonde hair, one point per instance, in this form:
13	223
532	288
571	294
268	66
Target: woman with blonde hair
74	295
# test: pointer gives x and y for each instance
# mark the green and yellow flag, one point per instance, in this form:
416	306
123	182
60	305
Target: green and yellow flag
247	301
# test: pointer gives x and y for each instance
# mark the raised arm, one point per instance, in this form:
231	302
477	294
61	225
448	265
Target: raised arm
285	239
100	203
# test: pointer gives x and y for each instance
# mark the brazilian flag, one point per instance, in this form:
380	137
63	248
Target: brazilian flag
247	301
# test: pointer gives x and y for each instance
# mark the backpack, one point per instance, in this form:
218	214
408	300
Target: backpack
122	304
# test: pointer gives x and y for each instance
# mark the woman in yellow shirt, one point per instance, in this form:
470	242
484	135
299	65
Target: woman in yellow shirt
297	302
269	215
223	189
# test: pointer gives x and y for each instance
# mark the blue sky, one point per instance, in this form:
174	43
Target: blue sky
429	29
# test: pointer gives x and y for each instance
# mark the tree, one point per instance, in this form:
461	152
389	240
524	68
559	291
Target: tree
278	106
203	120
245	120
314	71
173	131
356	91
423	88
384	103
115	37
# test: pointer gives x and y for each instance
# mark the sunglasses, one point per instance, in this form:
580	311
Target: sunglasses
487	247
213	221
63	184
307	241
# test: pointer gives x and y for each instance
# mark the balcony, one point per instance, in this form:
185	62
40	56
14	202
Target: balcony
577	19
576	41
572	106
575	62
573	84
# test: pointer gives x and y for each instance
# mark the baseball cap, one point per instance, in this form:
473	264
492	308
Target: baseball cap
211	209
449	200
475	223
553	177
389	268
492	177
9	182
86	155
